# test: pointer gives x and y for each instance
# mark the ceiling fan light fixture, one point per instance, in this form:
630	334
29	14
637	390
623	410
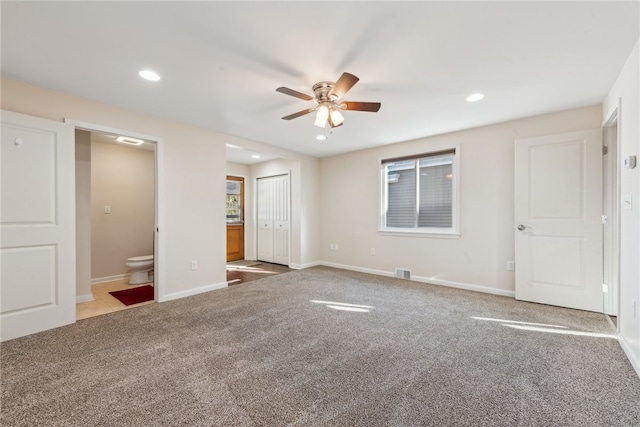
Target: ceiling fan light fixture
336	117
321	116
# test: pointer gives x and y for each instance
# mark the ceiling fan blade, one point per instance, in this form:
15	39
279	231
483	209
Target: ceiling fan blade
360	106
298	114
295	93
342	86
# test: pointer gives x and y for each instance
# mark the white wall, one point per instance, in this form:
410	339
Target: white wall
83	216
477	260
626	90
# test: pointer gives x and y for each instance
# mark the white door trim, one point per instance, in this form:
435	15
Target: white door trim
611	208
159	250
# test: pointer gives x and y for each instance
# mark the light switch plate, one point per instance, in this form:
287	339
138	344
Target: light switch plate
630	162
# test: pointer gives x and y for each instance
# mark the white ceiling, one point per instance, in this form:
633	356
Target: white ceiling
221	62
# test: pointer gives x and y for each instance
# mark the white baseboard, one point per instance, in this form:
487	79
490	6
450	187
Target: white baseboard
110	278
632	357
465	286
83	298
448	283
303	266
190	292
358	269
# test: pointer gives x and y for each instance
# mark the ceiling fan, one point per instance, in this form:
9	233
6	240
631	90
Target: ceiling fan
328	101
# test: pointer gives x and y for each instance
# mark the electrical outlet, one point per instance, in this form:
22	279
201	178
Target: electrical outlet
194	265
511	265
373	251
107	209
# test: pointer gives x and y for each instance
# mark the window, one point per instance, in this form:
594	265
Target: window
419	193
234	200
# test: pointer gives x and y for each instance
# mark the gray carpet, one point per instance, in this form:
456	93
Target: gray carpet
263	354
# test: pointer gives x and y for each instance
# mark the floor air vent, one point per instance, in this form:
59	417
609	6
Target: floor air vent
401	273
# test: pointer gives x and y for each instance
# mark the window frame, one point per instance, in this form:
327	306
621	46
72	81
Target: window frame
452	232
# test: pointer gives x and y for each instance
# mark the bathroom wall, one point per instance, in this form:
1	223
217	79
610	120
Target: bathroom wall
122	177
83	216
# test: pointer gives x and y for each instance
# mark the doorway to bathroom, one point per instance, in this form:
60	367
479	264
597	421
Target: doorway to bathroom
116	221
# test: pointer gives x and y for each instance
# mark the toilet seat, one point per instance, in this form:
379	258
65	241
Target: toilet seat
143	258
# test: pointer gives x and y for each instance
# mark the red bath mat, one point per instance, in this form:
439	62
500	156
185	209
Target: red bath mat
134	295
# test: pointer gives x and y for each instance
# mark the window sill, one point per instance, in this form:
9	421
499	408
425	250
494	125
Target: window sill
427	234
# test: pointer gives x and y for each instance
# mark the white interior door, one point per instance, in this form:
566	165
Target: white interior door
37	221
273	202
558	214
265	219
281	219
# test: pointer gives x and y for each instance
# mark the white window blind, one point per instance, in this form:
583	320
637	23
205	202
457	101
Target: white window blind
419	192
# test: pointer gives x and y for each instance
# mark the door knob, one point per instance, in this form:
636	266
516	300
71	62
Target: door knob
522	227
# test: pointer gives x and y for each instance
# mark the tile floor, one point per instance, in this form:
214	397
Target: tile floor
103	302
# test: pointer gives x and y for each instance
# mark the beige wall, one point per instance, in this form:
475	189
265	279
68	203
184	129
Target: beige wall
123	178
626	90
192	163
83	216
349	206
192	195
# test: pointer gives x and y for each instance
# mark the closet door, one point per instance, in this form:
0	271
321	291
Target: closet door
273	200
265	219
281	219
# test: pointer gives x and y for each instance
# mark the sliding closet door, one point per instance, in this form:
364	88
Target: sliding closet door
281	219
265	219
273	219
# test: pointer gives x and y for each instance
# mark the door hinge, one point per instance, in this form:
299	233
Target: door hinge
605	288
605	219
605	150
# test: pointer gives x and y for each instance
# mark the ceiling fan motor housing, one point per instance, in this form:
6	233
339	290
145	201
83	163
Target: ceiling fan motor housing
321	91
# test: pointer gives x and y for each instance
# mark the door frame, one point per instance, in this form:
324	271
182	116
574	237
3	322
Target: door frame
159	247
611	208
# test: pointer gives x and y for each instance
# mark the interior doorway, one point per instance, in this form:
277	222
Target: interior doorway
115	200
235	218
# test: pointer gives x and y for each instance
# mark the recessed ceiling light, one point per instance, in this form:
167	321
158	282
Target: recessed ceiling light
130	141
149	75
233	146
321	137
475	97
255	156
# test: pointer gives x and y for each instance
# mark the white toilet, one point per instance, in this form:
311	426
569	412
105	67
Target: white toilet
141	269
